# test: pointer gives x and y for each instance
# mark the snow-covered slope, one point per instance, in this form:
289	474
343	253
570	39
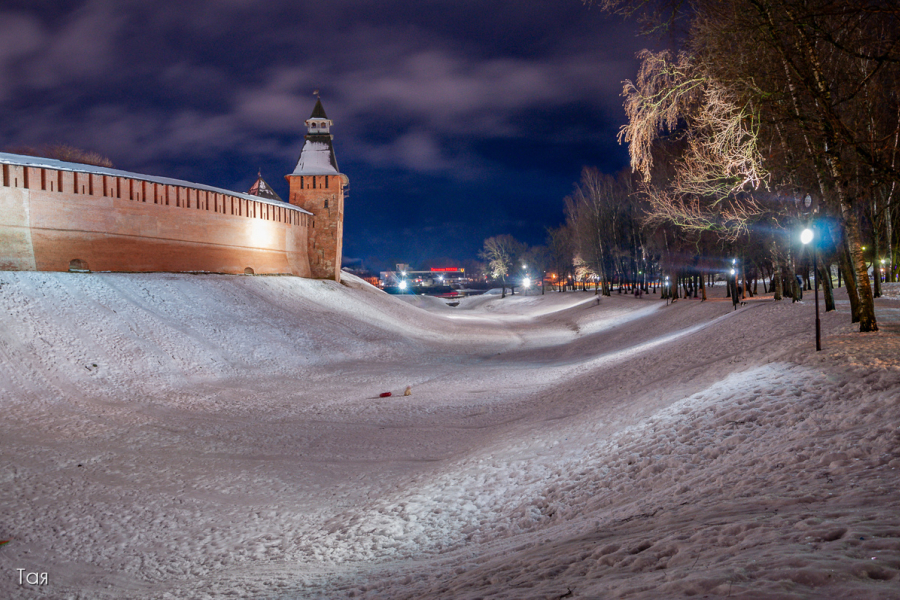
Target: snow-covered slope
189	436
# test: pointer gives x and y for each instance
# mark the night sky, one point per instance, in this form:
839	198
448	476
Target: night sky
455	120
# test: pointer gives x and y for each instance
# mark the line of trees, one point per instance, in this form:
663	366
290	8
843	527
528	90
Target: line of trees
768	116
769	110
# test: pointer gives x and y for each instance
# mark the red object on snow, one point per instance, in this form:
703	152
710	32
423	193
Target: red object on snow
384	394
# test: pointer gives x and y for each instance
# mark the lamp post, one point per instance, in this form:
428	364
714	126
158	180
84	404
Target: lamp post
806	236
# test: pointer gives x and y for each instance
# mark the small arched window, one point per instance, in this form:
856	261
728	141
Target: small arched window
76	265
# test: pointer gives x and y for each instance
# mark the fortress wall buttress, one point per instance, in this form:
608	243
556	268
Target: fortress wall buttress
50	218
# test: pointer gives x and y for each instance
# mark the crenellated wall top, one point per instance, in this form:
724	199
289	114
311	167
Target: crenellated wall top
59	165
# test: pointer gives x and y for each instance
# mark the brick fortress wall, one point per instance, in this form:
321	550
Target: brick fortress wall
57	220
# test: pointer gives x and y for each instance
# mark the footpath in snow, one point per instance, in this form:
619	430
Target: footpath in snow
204	436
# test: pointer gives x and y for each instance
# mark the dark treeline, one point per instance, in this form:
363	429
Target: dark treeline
771	116
765	118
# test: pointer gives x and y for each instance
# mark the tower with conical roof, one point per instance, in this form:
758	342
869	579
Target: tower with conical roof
263	190
318	186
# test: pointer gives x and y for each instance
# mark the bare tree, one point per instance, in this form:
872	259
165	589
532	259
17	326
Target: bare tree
500	252
65	152
562	252
813	83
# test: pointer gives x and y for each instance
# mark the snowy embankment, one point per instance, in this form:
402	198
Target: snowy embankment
179	436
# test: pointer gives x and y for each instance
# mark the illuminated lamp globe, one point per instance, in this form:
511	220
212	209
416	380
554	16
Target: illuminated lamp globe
526	282
402	285
806	236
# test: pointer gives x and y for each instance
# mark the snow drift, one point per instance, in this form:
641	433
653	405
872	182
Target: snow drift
201	436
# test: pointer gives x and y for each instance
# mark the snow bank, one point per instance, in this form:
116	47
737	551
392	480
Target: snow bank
171	436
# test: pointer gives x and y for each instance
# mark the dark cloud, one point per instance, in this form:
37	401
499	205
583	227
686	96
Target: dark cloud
455	120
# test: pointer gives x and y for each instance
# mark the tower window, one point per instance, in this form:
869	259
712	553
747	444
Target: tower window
326	202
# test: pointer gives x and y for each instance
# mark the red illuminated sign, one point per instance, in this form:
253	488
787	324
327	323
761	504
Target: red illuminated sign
447	270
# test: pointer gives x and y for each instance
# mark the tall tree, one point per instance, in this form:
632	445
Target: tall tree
500	252
810	81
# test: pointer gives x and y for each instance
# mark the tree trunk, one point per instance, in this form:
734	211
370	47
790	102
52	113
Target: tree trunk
776	273
796	289
888	235
745	288
844	257
824	275
866	310
876	274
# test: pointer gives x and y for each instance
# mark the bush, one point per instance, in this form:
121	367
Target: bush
65	153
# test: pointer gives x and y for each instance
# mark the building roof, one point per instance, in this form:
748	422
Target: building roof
317	157
318	111
59	165
263	190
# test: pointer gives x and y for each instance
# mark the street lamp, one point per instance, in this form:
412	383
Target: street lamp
735	273
806	236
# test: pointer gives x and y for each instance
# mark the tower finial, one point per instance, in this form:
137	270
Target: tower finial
316	94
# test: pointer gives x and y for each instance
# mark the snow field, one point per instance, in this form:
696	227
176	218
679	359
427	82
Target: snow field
231	444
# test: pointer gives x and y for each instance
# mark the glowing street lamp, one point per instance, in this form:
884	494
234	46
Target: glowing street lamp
734	274
806	236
